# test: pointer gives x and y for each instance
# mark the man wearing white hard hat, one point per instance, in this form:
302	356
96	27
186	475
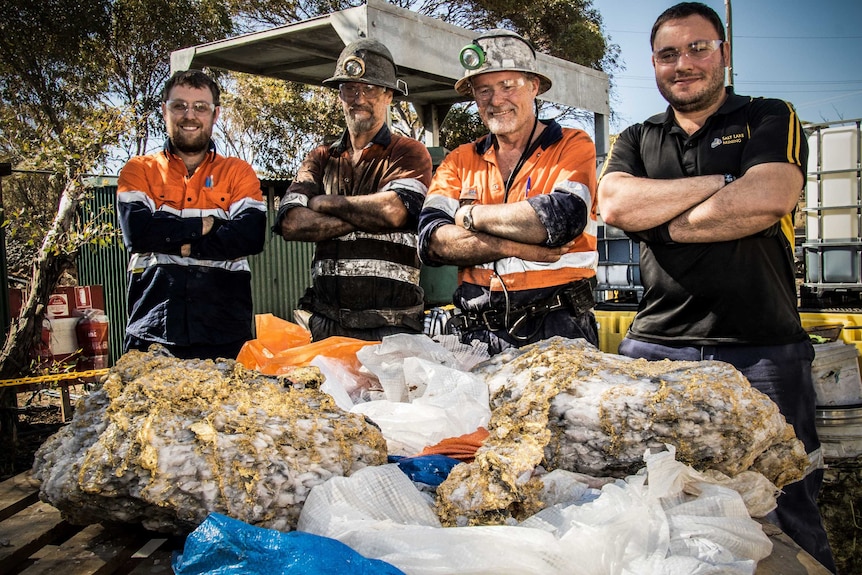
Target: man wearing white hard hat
516	209
359	200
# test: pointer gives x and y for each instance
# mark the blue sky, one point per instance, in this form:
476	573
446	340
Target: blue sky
808	52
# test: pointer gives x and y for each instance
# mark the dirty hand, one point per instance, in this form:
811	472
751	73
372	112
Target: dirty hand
545	254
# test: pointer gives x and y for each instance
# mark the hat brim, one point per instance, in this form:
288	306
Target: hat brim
335	81
462	86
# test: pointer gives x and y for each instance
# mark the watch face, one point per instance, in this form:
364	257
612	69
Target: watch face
468	219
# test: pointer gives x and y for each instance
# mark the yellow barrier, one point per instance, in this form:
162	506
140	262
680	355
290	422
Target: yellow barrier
614	324
54	377
851	333
63	380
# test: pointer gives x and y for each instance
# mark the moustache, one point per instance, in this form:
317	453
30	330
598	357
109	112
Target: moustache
679	77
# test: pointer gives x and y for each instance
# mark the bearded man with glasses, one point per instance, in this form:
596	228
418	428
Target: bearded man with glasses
189	218
359	200
709	189
516	209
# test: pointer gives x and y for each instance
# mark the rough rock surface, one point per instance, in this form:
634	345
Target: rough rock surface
164	442
566	405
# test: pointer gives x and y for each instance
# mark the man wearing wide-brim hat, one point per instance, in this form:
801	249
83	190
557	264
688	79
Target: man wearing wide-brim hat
359	200
516	209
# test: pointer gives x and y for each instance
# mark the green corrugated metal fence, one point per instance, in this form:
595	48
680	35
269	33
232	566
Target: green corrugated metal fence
280	274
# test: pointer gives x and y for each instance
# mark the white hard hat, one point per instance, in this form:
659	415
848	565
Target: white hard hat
497	51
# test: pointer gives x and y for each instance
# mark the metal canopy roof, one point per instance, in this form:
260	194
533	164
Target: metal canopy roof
425	50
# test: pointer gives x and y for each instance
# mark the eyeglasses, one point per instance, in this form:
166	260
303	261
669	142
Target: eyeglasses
700	50
181	107
352	91
507	88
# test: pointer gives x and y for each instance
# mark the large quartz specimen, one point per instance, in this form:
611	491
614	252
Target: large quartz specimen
164	442
563	404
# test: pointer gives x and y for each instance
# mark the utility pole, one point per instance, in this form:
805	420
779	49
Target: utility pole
729	26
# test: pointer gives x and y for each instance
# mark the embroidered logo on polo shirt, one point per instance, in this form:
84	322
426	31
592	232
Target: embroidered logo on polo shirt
715	143
733	138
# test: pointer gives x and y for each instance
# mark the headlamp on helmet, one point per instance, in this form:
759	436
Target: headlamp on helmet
354	67
472	56
367	61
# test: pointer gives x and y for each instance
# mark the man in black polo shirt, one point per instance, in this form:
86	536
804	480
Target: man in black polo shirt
709	189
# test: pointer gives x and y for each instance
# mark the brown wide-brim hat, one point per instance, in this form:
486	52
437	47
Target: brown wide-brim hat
367	62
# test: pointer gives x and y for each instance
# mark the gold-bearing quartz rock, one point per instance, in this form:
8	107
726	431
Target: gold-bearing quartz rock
564	404
164	442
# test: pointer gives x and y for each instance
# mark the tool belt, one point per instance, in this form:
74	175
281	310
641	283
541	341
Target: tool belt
577	297
412	317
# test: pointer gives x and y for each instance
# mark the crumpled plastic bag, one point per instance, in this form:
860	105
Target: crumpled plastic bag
282	345
225	546
429	397
667	520
387	361
454	403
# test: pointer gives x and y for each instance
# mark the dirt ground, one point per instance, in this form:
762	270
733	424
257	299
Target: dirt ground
840	498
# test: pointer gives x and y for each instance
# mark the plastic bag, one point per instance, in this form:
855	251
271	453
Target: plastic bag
282	345
225	546
453	403
667	520
386	361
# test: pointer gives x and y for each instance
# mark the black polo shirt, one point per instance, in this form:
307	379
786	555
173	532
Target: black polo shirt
733	292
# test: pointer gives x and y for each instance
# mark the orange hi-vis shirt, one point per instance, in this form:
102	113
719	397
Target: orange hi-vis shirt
565	163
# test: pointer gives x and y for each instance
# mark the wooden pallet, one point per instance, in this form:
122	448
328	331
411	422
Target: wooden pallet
35	540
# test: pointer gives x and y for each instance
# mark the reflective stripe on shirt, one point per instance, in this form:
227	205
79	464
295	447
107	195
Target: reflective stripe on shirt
138	262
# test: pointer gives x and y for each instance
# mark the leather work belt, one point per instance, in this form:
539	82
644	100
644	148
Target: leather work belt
411	317
577	297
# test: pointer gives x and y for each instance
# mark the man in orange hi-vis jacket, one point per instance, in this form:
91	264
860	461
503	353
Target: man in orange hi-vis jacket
516	209
189	217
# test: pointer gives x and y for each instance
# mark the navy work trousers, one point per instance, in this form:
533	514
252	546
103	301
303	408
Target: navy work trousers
783	372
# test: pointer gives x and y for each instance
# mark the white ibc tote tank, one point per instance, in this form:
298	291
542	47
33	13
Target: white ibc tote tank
832	195
833	198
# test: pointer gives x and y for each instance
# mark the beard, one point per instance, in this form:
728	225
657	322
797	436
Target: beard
499	125
360	125
193	143
510	123
696	101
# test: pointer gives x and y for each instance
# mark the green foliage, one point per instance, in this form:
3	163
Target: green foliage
257	14
462	125
49	58
569	29
142	34
273	124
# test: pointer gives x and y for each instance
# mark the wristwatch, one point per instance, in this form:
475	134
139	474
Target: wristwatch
728	178
467	219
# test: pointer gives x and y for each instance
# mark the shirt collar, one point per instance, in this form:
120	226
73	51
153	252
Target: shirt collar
383	137
553	132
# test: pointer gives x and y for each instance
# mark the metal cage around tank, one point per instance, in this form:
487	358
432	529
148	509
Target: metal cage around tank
832	249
